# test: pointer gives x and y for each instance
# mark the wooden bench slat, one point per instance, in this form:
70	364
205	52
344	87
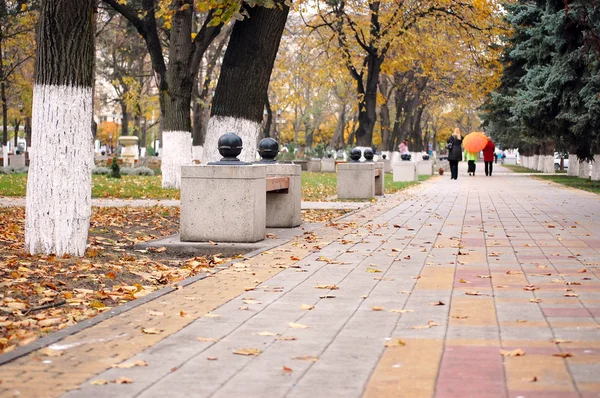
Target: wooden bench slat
278	184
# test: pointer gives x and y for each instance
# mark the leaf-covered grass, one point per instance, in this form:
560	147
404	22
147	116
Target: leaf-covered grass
519	169
127	187
131	187
318	187
585	184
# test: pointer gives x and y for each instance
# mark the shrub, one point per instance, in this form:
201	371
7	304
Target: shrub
101	170
143	171
115	169
14	170
127	171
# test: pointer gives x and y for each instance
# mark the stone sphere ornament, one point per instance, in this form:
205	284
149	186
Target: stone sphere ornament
384	156
230	146
268	148
355	154
369	154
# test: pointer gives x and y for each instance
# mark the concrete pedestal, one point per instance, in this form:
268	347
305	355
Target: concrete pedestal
356	180
314	166
387	166
425	167
380	181
129	154
405	171
16	160
223	203
283	209
573	169
584	169
328	165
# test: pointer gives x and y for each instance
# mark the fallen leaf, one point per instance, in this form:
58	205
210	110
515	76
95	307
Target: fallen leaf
49	352
558	341
484	276
297	325
533	379
377	308
287	370
155	313
251	301
128	365
248	351
511	272
123	380
266	334
436	303
563	355
151	330
395	343
99	382
402	311
514	353
306	358
207	339
570	294
307	307
460	316
473	293
327	296
294	258
212	358
372	270
531	288
210	315
583	270
540	266
182	313
285	338
536	300
463	281
329	287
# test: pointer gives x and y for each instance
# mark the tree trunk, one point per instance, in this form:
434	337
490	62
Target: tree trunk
27	132
16	127
124	119
269	122
337	141
367	111
58	200
243	84
175	102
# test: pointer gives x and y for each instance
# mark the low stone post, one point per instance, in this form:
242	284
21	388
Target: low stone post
405	171
223	201
283	208
328	164
356	180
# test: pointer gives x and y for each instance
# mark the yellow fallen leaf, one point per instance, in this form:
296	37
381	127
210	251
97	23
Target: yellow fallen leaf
49	352
536	300
563	355
297	325
373	270
377	308
266	334
248	351
307	307
395	343
463	281
151	330
514	353
402	311
330	287
207	339
285	338
99	382
128	365
306	358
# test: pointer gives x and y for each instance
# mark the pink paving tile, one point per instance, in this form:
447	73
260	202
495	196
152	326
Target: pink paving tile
543	394
468	371
595	311
566	312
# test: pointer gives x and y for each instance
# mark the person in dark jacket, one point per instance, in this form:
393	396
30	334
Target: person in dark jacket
454	152
488	156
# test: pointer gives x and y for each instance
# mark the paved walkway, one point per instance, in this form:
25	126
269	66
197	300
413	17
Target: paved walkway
480	287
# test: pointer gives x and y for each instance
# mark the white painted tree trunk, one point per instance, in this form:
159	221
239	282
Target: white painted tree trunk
176	152
534	164
197	153
59	185
525	161
5	155
219	125
573	169
596	168
548	164
584	169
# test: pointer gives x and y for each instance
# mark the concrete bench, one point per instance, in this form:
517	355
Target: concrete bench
231	201
360	180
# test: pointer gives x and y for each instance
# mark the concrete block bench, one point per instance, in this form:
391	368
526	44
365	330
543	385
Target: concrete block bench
358	180
233	201
405	171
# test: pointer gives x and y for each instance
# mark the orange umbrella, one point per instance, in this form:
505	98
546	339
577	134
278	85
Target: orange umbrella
474	142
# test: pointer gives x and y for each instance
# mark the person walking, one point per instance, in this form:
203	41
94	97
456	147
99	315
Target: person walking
488	156
471	158
454	147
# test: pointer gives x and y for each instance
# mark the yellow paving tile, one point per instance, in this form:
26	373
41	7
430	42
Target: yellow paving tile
480	312
551	373
436	278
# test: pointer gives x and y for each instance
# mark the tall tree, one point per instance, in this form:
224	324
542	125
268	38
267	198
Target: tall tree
58	206
240	95
174	75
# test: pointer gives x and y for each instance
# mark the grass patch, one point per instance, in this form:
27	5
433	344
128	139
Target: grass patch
519	169
585	184
128	187
317	187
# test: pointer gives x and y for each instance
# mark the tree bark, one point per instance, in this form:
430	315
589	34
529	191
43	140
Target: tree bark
337	141
58	199
243	84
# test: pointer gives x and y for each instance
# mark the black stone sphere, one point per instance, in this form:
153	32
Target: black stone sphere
329	156
369	154
355	154
230	146
384	156
268	149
